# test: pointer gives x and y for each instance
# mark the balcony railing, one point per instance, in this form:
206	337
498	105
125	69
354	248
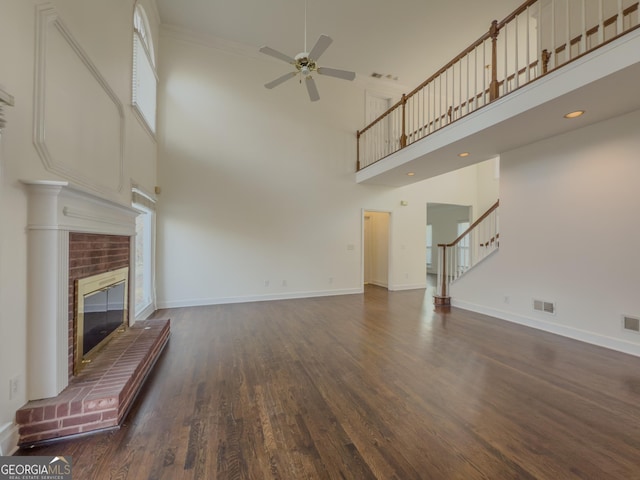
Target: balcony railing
538	37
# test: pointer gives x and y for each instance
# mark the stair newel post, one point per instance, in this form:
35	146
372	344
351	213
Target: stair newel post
493	86
403	137
442	299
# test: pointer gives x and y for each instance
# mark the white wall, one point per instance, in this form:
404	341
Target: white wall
258	185
103	31
568	234
488	186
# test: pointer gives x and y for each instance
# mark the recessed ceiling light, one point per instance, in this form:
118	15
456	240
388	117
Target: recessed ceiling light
410	174
575	114
464	154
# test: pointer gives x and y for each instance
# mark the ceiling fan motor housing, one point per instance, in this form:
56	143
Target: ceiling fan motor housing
304	65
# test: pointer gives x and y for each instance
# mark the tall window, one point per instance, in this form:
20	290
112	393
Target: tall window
144	254
145	80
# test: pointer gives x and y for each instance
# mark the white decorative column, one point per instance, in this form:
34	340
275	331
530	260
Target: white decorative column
56	208
47	290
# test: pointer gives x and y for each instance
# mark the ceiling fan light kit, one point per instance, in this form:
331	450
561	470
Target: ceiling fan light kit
306	65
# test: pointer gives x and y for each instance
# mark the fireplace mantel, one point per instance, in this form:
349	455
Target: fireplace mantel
56	208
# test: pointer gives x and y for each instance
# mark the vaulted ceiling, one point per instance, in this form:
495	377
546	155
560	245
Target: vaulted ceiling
407	39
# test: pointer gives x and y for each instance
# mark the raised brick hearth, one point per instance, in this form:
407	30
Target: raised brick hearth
100	396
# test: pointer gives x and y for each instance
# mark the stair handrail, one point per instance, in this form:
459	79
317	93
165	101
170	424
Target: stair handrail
450	264
474	224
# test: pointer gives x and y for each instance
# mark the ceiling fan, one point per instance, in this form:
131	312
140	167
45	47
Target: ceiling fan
305	64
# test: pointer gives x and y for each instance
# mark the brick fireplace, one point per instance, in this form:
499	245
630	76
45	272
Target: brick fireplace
73	234
91	254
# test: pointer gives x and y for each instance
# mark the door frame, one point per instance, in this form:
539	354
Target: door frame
364	212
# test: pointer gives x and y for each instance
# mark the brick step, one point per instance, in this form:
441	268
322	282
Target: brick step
100	396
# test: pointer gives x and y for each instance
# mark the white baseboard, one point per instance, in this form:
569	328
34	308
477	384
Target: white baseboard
563	330
8	439
408	286
146	313
378	284
198	302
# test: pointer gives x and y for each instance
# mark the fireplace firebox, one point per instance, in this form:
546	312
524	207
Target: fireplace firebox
101	313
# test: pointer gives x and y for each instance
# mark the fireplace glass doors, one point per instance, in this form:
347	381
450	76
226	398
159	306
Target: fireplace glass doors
101	312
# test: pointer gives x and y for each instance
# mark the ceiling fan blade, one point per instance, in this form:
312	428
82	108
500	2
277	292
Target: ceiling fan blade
280	56
280	80
334	72
318	49
312	89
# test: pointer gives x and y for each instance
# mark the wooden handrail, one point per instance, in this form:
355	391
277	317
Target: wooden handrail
460	56
516	12
388	112
495	85
474	224
429	80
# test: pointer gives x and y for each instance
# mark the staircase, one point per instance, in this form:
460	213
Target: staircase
457	258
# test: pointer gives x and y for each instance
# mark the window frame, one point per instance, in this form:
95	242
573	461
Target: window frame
144	66
145	204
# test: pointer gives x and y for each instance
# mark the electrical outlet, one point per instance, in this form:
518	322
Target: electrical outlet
284	283
507	299
266	283
330	280
14	385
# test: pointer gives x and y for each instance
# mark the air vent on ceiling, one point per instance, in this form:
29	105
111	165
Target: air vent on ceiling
388	76
546	307
631	323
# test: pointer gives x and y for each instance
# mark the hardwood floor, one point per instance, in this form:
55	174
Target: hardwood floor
370	386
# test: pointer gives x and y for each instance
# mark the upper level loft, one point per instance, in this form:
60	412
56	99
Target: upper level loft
512	87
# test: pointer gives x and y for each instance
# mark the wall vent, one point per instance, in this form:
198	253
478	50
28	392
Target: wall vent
546	307
631	323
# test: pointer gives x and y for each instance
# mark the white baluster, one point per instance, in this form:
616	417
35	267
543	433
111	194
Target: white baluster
539	38
600	22
516	79
527	77
553	34
484	73
583	38
620	22
567	33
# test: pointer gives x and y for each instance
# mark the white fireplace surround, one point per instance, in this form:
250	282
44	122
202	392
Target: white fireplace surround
56	208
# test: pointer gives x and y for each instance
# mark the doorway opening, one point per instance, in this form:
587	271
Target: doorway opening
376	248
444	224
